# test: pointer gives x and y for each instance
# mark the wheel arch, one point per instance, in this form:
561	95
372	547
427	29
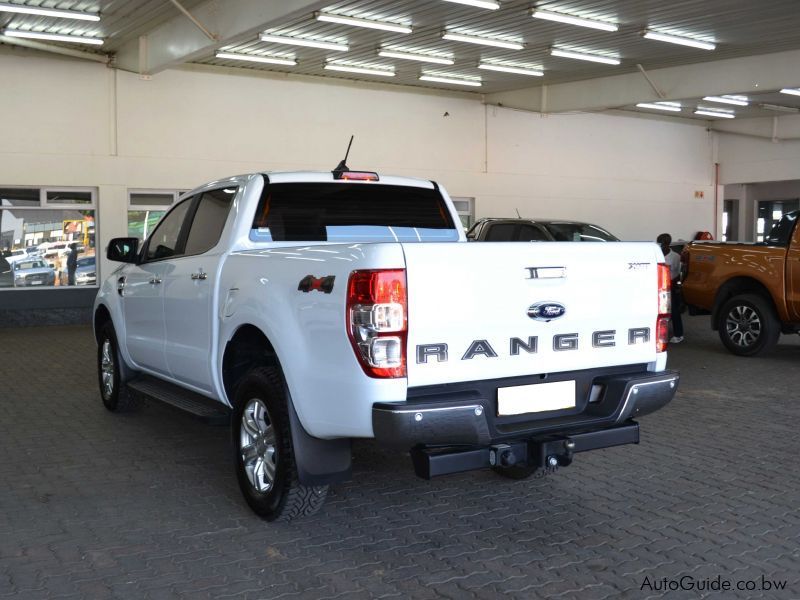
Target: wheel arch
101	316
319	462
734	287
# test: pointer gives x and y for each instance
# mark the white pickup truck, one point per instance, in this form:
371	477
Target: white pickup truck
309	309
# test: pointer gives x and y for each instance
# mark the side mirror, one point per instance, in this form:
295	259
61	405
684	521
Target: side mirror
124	249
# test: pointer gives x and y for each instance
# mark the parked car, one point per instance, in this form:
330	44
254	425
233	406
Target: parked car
752	290
33	272
309	309
86	273
537	230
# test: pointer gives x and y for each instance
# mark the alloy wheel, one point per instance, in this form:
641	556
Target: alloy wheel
258	446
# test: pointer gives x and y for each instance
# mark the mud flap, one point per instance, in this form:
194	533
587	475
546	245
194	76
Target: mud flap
319	462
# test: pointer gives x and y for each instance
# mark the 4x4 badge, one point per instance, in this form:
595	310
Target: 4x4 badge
546	311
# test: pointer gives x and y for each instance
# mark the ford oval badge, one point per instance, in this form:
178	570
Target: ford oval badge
546	311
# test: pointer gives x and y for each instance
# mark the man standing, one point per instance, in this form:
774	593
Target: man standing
673	259
72	263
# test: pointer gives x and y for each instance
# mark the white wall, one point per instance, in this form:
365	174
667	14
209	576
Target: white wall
750	159
67	122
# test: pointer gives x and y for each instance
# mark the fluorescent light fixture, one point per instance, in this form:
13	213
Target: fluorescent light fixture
296	41
668	106
779	108
675	39
257	58
359	22
517	69
426	58
715	112
47	12
482	41
584	56
573	20
362	70
477	3
735	100
791	91
450	80
55	37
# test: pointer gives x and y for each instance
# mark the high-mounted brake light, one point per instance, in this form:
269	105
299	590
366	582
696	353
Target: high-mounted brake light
356	176
377	321
664	307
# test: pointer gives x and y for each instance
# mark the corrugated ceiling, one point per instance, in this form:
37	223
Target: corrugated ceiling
739	28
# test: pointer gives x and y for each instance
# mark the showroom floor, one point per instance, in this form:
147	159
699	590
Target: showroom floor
96	505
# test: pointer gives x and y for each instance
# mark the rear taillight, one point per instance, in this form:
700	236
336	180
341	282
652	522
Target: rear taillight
664	308
377	321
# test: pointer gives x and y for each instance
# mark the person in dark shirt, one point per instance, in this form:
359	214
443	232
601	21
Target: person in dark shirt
72	263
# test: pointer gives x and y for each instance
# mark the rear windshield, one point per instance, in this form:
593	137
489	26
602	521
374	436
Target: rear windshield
578	232
351	212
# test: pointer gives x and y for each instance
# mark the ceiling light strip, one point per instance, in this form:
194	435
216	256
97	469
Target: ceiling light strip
671	107
450	80
584	56
307	42
426	58
680	40
533	72
257	58
791	91
573	20
477	3
47	12
714	113
54	37
360	70
735	100
482	41
779	108
359	22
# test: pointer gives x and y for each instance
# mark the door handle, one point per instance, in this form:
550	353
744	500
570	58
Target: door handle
201	275
155	281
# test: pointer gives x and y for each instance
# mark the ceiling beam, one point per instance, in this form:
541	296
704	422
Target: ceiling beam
749	74
180	40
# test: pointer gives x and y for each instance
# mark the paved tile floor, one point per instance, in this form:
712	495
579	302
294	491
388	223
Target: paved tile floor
96	505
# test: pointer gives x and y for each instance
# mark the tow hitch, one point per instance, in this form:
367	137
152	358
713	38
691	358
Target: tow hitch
543	452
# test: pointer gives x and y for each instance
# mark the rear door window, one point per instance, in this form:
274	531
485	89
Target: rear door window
351	212
529	233
209	220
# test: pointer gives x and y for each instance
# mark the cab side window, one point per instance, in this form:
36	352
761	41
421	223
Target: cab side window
209	220
165	240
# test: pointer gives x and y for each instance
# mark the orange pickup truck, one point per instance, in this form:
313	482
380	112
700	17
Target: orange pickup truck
751	290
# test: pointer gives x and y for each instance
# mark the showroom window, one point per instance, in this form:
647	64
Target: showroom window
465	207
145	209
47	237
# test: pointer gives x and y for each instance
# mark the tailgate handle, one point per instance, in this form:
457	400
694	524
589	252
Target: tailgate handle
546	272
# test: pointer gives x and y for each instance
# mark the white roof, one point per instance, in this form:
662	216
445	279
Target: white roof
327	176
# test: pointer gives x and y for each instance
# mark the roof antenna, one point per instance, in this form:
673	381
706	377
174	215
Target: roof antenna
342	166
518	215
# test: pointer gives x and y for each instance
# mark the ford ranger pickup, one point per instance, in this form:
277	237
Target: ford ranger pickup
309	309
751	290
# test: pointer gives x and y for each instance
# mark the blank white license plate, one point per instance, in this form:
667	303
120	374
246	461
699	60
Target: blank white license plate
538	397
37	282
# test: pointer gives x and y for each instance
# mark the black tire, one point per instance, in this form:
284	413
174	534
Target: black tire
263	451
516	471
111	373
748	325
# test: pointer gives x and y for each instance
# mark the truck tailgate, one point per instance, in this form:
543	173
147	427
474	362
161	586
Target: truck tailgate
469	305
